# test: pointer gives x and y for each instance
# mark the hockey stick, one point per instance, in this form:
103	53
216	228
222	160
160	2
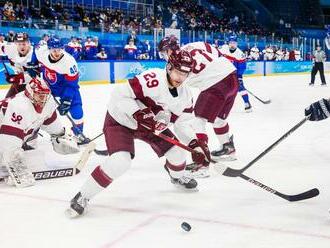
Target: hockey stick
299	197
4	66
234	173
263	101
66	172
291	198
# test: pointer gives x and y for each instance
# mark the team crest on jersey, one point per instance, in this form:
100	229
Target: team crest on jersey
50	76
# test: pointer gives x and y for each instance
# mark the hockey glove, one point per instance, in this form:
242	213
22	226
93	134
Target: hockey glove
319	110
33	69
64	107
202	154
15	78
147	121
64	143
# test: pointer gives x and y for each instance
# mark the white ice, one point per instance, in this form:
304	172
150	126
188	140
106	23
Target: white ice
143	209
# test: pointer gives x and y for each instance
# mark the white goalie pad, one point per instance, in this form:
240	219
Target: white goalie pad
19	174
65	144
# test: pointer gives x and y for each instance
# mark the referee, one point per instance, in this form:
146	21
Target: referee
318	58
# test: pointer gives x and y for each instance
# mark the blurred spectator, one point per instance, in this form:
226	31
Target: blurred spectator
74	48
97	44
279	55
133	37
2	44
10	36
43	42
146	52
269	53
130	50
297	55
90	49
8	11
254	53
102	54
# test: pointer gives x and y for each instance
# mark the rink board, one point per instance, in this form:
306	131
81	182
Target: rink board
95	72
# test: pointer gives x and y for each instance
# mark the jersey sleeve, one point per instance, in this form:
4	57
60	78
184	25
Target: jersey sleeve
13	128
70	79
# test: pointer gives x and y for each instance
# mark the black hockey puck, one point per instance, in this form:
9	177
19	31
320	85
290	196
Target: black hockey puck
185	226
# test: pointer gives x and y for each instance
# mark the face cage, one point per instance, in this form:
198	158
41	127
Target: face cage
39	100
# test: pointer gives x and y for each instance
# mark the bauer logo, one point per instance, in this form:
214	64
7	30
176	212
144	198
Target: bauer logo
41	175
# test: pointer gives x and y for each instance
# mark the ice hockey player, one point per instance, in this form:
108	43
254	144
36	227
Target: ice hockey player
60	71
74	48
138	109
217	96
21	55
167	45
3	42
254	53
237	57
21	117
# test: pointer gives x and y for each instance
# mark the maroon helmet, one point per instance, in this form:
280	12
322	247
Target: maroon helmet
182	61
169	42
21	37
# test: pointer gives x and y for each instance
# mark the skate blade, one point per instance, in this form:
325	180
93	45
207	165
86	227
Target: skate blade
231	157
198	174
71	214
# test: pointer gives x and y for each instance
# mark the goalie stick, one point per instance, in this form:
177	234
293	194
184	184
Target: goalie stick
66	172
222	169
259	99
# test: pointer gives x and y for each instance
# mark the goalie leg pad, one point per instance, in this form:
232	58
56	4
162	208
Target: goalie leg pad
19	173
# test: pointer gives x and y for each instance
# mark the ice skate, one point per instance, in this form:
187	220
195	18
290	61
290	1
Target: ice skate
248	108
202	172
185	182
227	153
78	206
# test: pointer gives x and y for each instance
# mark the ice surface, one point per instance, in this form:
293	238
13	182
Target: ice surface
143	209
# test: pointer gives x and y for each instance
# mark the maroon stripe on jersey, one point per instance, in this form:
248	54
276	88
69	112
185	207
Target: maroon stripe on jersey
100	177
208	47
138	91
188	110
136	87
174	117
12	131
51	119
173	167
221	130
219	52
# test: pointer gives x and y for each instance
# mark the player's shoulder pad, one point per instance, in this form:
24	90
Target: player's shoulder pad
70	64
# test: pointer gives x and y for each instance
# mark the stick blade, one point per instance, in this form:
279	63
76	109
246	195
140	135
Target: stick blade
304	196
267	102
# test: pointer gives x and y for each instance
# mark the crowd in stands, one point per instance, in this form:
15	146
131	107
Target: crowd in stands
92	49
187	15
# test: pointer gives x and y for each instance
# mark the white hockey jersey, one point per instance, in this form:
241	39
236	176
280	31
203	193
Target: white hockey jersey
151	89
237	55
209	67
254	53
19	121
19	62
279	55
